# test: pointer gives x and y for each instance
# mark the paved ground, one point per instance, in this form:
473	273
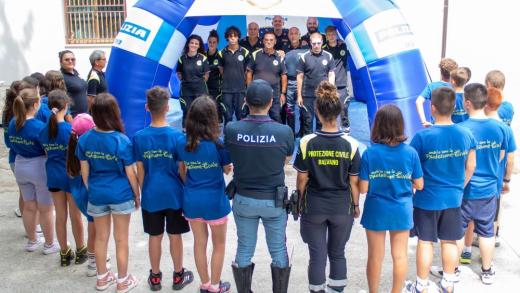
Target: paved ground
35	272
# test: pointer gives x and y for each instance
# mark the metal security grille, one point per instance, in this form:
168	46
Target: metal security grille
93	21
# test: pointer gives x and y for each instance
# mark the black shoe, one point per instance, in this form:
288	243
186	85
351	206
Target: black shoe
181	279
81	255
154	280
280	278
67	257
243	277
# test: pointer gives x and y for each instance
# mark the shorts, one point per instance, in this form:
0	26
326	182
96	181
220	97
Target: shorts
497	214
31	177
216	222
123	208
482	213
439	224
154	222
52	189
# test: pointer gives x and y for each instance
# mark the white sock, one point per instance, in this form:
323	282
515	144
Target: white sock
99	277
466	249
447	280
121	280
422	284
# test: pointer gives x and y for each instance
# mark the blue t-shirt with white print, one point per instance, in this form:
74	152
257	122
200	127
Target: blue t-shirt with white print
204	195
389	171
107	154
25	142
155	148
443	150
511	147
44	113
491	138
506	112
56	149
459	113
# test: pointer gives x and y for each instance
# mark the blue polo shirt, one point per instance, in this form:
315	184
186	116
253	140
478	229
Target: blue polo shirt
204	195
155	148
389	171
258	147
491	138
291	60
107	154
25	142
459	113
56	149
443	150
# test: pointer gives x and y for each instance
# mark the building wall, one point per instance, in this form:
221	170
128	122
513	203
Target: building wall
32	32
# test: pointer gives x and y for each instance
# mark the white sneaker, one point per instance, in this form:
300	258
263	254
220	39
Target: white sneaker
487	277
438	272
51	249
17	213
31	246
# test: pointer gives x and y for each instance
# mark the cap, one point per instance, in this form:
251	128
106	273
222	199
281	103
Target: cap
259	93
82	123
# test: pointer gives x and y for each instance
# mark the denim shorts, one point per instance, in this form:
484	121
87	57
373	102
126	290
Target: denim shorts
123	208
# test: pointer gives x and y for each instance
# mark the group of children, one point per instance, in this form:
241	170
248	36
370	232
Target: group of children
459	165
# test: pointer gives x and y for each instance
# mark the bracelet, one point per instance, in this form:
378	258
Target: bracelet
506	180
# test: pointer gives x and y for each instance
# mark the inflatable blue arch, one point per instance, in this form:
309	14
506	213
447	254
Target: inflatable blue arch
385	65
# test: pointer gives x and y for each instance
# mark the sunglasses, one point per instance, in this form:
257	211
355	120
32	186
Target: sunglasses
316	43
70	59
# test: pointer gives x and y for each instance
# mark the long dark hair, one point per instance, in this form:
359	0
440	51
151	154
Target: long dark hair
201	44
58	100
72	163
22	103
201	122
11	94
388	126
106	113
55	80
42	83
327	102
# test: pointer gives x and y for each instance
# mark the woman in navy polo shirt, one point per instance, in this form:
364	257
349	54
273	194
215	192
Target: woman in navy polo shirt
193	72
76	86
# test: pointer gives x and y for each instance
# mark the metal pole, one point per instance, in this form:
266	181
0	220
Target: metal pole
444	28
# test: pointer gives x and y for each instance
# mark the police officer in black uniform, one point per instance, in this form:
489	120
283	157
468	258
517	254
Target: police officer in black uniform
268	65
232	61
215	79
339	52
192	71
314	66
312	27
259	149
281	33
252	41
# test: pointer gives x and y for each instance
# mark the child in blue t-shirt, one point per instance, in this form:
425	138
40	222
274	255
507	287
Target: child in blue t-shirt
80	125
154	151
480	195
203	160
446	66
459	78
447	154
108	172
29	170
497	79
390	170
54	138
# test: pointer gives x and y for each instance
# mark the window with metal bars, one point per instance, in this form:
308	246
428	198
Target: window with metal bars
93	21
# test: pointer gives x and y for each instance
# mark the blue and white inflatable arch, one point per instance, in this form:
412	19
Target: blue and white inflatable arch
385	65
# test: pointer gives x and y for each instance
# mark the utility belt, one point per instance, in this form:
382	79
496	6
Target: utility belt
280	196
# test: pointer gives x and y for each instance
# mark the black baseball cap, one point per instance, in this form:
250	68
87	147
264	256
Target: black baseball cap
259	93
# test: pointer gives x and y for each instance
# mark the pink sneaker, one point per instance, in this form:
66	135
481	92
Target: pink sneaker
127	285
107	281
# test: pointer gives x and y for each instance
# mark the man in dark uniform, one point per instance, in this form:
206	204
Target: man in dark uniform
314	66
339	52
233	60
96	83
267	64
312	27
281	33
292	55
252	41
259	149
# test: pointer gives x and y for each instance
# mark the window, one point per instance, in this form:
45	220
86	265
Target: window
93	21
